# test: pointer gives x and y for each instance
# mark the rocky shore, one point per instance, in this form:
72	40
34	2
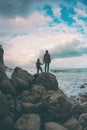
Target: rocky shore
35	102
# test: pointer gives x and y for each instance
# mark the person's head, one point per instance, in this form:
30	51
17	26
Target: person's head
38	60
46	51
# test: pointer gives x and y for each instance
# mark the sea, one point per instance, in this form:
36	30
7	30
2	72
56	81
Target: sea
69	80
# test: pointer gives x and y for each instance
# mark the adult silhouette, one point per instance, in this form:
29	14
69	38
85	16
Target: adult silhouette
47	60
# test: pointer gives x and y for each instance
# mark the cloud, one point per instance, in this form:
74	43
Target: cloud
20	26
74	48
80	18
29	27
80	10
73	62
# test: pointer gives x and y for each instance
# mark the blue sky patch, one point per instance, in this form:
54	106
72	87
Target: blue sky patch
21	34
67	15
49	12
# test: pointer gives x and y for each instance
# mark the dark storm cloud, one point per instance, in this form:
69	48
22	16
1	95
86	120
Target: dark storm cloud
12	8
72	49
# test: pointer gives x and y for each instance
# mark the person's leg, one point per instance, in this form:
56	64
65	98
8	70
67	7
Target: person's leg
37	70
40	69
47	67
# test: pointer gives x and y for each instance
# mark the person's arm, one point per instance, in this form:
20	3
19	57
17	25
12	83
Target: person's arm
43	59
41	63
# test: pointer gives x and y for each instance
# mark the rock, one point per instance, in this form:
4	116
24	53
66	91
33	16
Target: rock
11	103
83	119
72	124
5	84
4	108
2	74
1	56
37	92
46	80
19	108
28	108
26	93
83	86
59	106
79	109
45	98
28	122
83	98
54	126
7	123
6	87
21	79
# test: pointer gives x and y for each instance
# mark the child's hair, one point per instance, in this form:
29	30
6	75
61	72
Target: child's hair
38	59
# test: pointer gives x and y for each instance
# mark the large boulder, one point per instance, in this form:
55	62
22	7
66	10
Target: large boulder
79	109
28	108
28	122
21	79
6	87
83	119
4	108
7	123
54	126
5	84
27	97
83	98
46	80
72	124
2	73
38	92
59	106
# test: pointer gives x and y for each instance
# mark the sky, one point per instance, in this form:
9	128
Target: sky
30	27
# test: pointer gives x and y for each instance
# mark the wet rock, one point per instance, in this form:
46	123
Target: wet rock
28	108
54	126
83	119
79	109
4	108
28	122
37	92
59	106
7	123
2	74
19	108
6	87
21	79
11	103
83	98
83	86
46	80
72	124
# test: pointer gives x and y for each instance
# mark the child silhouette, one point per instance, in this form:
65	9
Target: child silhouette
38	65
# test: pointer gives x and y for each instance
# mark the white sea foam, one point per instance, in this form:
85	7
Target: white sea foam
70	80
